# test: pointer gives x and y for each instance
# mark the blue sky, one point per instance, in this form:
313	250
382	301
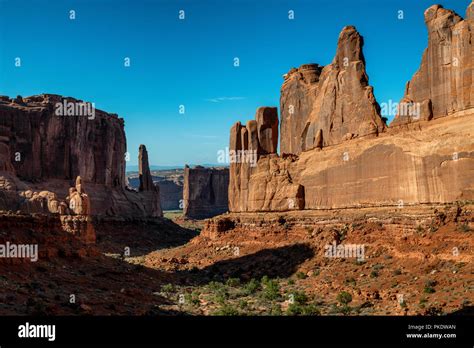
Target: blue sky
190	62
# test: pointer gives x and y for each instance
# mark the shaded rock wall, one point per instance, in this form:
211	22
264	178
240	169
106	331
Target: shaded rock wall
205	192
61	147
42	153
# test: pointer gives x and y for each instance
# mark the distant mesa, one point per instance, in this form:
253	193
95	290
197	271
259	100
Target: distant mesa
205	192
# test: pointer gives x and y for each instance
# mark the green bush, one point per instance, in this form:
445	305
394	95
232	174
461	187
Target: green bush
227	310
300	297
271	290
167	288
299	309
344	297
215	285
251	287
301	275
429	290
233	282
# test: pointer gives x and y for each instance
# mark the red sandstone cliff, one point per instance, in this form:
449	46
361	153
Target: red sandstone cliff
326	114
42	153
323	106
443	85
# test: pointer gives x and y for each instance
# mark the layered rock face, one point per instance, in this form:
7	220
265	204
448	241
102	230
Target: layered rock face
254	143
41	145
205	192
329	161
323	106
46	141
443	85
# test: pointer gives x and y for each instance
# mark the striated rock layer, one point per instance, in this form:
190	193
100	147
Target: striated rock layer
205	192
444	82
329	161
42	152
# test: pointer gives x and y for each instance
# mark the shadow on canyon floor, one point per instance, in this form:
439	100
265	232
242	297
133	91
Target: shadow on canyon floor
141	237
279	262
104	284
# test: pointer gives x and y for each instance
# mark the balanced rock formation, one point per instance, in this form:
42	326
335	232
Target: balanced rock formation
323	106
76	216
444	83
205	192
329	161
42	151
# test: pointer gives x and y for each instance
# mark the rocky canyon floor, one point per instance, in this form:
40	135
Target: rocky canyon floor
417	260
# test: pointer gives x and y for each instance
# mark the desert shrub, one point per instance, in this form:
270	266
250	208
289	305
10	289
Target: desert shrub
374	274
378	266
276	310
300	309
344	297
251	287
433	310
350	281
299	297
397	272
429	290
243	304
271	290
192	298
227	310
301	275
167	288
214	286
345	309
233	282
464	228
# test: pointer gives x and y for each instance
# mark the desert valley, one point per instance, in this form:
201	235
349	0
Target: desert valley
332	211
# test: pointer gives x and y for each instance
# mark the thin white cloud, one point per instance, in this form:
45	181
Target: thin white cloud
223	99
